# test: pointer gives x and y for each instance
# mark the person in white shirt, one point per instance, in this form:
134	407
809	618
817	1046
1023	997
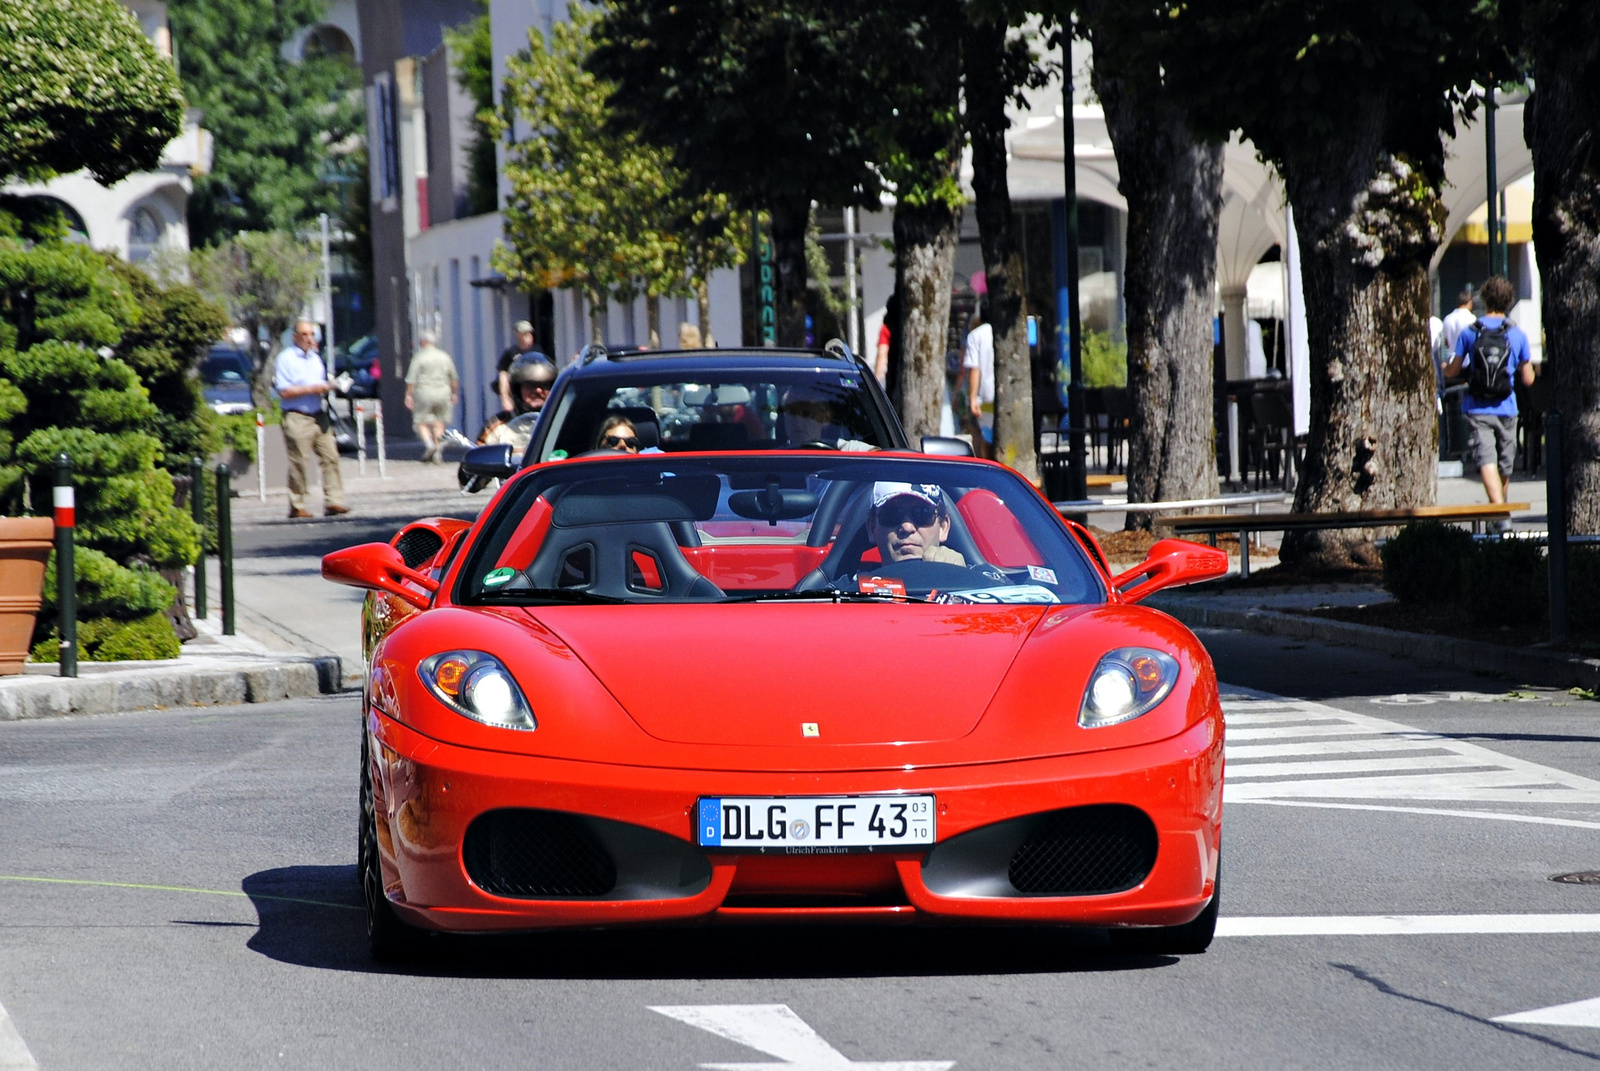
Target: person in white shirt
979	363
302	383
1458	319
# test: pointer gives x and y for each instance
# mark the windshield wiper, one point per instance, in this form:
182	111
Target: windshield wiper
826	595
534	595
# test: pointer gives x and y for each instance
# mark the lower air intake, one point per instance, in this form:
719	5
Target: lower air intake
1085	851
529	855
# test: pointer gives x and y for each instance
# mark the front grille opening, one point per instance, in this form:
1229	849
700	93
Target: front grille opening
1085	851
527	854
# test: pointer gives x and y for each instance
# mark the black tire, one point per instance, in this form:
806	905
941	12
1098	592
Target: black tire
388	938
1190	939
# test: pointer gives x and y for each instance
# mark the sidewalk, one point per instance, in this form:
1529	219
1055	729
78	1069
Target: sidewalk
211	670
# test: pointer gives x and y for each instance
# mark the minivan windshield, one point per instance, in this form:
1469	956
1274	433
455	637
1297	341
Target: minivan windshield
782	526
765	410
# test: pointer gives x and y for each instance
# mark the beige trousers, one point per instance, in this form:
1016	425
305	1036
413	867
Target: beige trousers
303	436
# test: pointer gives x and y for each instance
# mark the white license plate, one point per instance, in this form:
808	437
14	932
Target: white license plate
803	825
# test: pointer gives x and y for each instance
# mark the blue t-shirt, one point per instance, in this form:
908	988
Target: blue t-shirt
1518	342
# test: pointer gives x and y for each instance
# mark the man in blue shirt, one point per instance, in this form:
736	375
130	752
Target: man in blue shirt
301	380
1492	423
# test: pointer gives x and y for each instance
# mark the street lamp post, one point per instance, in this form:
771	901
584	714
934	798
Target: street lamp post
1491	169
1077	471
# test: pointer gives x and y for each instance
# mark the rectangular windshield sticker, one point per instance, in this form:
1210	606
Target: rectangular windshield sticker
1041	574
498	576
1022	594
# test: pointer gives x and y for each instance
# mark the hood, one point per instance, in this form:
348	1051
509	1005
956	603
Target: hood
756	675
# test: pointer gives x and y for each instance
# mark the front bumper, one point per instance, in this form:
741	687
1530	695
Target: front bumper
428	794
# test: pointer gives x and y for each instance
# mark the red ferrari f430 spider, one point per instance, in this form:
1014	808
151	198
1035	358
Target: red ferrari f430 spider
781	685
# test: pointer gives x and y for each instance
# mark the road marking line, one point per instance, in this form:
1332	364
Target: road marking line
177	888
1402	925
1495	816
777	1031
1499	778
1333	766
1281	733
1577	1013
1330	747
1286	717
14	1054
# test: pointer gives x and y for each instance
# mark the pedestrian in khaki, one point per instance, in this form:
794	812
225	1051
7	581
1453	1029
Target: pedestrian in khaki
432	391
301	380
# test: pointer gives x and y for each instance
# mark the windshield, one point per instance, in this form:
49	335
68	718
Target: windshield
741	528
741	411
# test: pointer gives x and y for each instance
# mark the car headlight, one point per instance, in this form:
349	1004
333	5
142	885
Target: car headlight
477	686
1126	683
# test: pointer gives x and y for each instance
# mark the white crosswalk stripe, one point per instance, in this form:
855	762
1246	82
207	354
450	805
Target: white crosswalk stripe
1280	749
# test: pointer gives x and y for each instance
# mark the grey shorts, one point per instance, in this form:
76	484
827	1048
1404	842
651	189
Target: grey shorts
432	407
1491	440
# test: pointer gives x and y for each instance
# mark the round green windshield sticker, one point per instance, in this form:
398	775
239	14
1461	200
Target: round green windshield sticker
498	577
557	455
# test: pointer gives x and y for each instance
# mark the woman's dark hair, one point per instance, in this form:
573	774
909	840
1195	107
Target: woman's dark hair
612	424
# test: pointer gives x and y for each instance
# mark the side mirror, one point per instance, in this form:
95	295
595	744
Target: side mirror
1170	563
379	567
946	446
492	462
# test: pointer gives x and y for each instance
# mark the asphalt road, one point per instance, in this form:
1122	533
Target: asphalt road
177	890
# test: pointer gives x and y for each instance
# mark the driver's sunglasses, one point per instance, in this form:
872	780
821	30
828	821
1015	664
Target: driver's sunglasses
620	442
920	514
542	387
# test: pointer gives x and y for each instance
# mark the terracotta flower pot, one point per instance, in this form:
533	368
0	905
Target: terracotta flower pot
25	544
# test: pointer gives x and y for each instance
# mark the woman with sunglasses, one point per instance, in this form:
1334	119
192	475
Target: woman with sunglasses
618	433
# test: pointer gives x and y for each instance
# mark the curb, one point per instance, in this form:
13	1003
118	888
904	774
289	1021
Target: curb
122	690
1519	663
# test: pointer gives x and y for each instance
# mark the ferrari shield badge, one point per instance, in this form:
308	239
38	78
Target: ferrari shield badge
809	728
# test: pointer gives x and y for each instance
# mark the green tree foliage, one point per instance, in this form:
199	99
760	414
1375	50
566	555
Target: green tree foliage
262	279
82	87
472	54
592	206
770	102
284	132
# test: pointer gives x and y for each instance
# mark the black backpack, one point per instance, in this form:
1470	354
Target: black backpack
1489	374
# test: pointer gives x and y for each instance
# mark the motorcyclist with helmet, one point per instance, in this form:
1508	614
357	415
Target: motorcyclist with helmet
531	376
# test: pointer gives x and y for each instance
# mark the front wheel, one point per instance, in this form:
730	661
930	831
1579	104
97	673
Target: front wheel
1189	939
387	937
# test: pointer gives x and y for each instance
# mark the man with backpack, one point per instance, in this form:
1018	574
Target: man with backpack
1494	353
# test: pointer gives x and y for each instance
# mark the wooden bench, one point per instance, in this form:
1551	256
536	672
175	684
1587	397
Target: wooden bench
1104	480
1246	523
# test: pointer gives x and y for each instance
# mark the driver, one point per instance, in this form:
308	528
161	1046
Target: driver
909	522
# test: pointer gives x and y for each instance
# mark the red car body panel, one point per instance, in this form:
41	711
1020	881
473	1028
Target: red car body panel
644	709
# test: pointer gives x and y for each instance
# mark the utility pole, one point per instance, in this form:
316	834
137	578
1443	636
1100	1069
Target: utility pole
853	329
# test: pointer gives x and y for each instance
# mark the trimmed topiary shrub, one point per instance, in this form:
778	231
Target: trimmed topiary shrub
105	639
1422	564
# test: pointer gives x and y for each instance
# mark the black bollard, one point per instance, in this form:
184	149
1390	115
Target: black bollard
66	520
225	548
197	508
1555	494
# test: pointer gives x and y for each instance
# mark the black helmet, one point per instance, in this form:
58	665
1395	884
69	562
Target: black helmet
530	367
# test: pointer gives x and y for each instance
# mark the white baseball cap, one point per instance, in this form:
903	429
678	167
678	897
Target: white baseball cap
884	490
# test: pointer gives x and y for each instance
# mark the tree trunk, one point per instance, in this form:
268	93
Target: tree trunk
1369	221
789	258
925	250
1015	434
652	319
1560	120
1173	186
597	319
702	302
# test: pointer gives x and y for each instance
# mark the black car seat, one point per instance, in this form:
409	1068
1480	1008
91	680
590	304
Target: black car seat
601	559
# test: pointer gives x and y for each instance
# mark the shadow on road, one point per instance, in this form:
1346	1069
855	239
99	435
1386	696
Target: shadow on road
310	916
321	537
